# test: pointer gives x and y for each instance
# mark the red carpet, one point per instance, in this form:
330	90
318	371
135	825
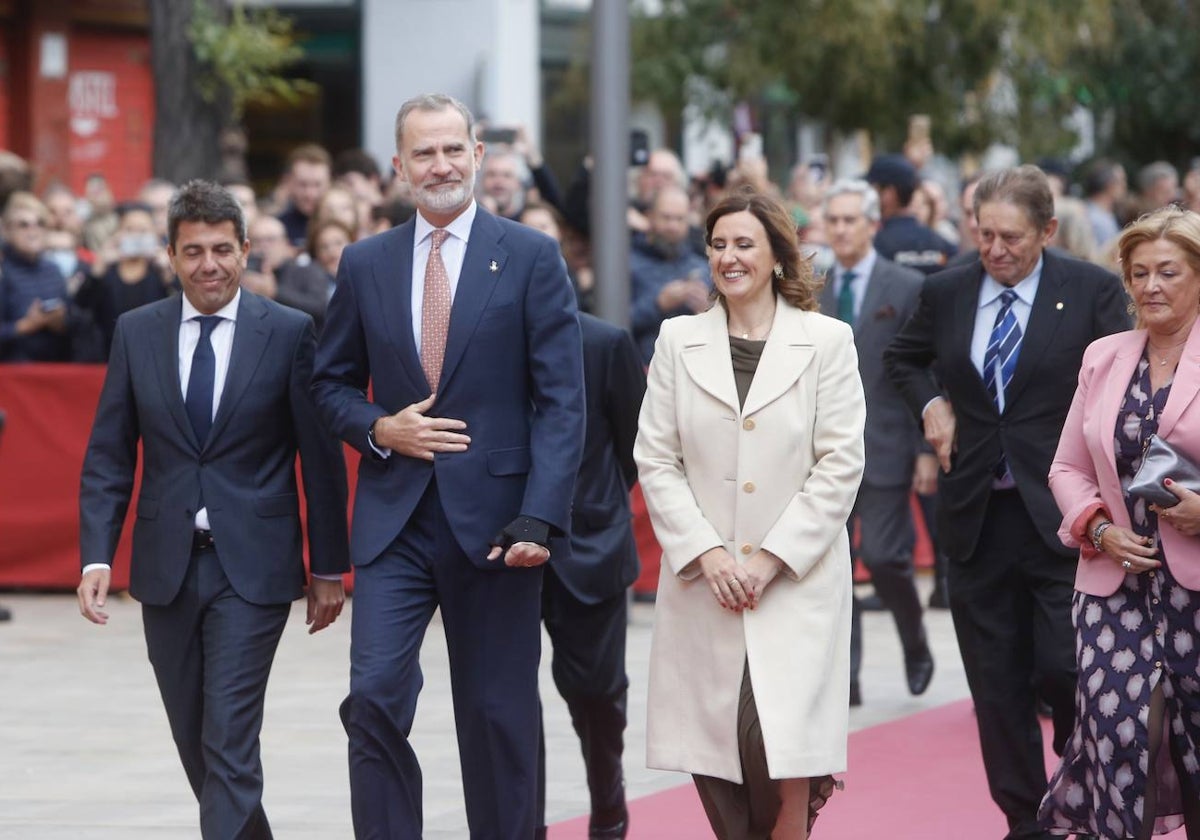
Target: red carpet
918	778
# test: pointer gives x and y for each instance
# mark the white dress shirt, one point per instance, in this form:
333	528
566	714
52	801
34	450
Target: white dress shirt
454	249
989	307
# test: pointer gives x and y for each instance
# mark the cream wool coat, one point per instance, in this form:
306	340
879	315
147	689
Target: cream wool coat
780	474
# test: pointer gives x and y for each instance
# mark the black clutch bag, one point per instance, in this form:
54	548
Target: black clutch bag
1161	461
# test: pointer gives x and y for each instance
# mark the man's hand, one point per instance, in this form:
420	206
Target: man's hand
521	554
940	429
93	592
925	471
325	601
410	432
1185	516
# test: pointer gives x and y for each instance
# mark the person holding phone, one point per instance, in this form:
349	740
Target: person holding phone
34	313
126	274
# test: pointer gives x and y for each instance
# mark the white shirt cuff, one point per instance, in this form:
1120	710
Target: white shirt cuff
91	566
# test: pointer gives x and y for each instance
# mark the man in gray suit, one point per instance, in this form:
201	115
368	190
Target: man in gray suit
214	385
876	296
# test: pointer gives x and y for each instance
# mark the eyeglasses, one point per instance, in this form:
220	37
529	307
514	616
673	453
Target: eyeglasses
26	224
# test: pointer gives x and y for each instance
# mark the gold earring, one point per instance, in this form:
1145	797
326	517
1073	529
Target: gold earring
778	271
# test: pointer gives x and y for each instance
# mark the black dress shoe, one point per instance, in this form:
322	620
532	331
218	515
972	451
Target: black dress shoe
919	670
855	694
872	603
609	828
5	614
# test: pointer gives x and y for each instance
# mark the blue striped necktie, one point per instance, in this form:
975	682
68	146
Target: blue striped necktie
1000	358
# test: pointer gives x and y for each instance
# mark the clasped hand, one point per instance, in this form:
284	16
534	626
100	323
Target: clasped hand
738	587
1183	517
410	431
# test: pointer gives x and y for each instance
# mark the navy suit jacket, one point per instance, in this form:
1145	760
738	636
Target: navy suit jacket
512	372
246	469
600	559
1076	303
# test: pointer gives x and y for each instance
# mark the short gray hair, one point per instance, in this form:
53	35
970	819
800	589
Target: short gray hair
859	187
433	102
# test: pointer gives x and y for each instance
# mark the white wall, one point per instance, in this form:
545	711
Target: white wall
483	52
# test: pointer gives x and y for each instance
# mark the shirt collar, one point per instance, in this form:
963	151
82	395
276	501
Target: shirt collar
228	311
1026	289
863	268
460	228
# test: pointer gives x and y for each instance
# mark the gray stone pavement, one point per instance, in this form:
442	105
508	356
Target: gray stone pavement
85	753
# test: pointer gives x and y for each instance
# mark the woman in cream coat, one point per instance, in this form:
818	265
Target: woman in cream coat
750	451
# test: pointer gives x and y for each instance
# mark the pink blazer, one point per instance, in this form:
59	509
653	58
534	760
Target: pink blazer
1083	477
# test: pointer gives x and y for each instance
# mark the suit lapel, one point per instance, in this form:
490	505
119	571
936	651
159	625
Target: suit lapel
166	362
966	308
873	299
1116	385
1044	319
787	354
706	358
476	283
392	278
250	338
828	294
1186	384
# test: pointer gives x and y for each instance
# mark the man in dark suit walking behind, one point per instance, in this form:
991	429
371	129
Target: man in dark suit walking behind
464	325
1006	335
876	296
584	603
214	384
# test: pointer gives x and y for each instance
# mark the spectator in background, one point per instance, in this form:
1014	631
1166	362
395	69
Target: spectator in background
1158	186
272	271
156	194
968	224
307	177
545	218
63	206
503	183
244	193
391	213
339	204
15	176
33	297
1104	186
901	238
326	241
101	220
667	277
939	211
62	249
130	276
1074	234
357	171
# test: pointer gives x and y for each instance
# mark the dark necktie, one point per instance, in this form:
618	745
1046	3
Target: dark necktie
435	311
845	301
202	380
1000	358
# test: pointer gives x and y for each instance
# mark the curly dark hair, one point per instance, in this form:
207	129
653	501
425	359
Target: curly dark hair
798	286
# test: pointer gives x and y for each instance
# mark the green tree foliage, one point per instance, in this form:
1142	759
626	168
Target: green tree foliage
242	56
1144	83
871	63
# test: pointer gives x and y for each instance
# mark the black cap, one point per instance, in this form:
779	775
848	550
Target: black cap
892	171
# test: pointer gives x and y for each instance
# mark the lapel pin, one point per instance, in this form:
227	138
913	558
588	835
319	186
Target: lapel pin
1058	305
494	266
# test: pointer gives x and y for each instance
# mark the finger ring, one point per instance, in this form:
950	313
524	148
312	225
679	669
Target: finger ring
732	581
1127	564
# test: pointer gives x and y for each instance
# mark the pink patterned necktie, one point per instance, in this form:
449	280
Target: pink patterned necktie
435	312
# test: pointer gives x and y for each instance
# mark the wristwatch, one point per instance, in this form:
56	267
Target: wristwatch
1098	534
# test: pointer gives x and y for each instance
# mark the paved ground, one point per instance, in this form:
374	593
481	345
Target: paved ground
85	753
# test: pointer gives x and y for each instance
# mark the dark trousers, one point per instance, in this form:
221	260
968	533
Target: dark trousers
212	653
490	617
887	538
1011	604
588	666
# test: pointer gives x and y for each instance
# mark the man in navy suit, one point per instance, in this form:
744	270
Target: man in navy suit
584	605
464	326
214	384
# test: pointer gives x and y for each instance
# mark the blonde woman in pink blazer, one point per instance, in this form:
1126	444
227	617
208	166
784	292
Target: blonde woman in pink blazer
1132	766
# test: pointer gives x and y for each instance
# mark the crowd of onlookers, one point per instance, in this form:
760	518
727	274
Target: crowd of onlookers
72	263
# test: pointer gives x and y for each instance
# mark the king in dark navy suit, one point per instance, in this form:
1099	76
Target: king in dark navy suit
463	324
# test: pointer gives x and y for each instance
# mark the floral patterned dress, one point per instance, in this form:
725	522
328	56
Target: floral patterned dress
1144	634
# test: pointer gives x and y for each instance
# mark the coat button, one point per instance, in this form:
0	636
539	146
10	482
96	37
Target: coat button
748	425
747	548
748	486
